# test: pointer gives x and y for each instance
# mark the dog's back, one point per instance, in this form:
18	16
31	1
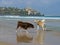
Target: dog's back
24	25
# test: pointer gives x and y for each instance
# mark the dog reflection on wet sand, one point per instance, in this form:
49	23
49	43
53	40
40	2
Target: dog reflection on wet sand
39	38
23	37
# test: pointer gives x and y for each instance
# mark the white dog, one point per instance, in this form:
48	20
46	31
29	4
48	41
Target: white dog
40	23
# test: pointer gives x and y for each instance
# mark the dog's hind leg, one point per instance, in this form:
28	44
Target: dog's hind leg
43	27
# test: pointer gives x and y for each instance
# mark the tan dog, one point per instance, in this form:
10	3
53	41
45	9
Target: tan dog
40	23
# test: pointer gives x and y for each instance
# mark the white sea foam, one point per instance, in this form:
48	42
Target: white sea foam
34	17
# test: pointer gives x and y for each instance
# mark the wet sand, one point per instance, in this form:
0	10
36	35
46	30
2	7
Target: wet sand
5	43
8	35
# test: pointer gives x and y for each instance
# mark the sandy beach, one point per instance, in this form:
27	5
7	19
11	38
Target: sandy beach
8	35
5	43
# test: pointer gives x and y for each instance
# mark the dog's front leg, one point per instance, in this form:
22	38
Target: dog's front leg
43	27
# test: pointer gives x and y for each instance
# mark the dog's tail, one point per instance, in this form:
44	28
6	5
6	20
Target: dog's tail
43	20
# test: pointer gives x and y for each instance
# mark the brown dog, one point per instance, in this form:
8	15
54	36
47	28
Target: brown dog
24	25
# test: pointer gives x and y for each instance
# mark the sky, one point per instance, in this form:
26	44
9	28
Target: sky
46	7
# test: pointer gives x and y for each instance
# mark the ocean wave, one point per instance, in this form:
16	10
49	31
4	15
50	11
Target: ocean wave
29	17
